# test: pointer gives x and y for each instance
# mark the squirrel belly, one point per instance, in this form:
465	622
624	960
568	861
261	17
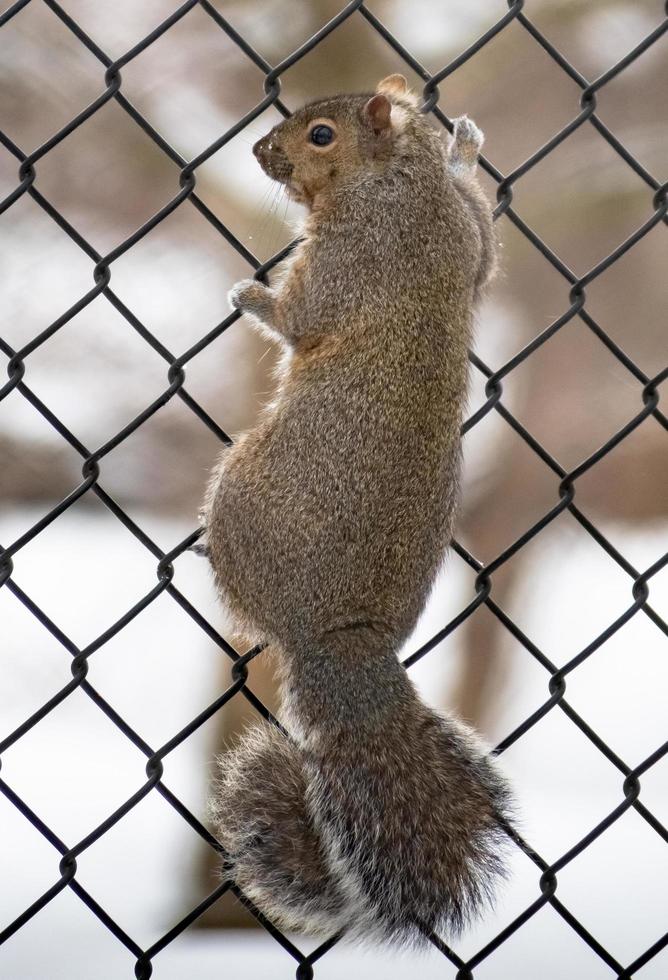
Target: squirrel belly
379	818
326	525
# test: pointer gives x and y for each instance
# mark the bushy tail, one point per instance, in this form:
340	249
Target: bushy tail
261	815
386	829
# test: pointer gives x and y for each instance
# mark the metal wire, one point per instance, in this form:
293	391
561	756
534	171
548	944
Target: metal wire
269	77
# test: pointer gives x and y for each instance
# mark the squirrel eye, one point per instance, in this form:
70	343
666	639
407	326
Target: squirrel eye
322	135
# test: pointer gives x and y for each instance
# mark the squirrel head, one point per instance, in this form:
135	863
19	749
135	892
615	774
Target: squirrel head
334	140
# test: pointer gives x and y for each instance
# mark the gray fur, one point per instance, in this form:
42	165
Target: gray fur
327	523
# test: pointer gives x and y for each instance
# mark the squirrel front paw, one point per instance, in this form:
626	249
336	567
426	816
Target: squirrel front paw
465	147
242	295
468	134
251	296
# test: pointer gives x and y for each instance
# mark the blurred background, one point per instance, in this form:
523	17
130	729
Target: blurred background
97	373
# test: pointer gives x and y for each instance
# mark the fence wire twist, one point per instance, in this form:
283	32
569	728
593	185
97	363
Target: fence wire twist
565	481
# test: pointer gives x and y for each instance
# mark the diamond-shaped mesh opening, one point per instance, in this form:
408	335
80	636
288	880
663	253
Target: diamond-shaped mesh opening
549	501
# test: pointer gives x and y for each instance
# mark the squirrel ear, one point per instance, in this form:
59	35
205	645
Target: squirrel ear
378	110
393	85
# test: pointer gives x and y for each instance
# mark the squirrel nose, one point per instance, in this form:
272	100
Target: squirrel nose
262	147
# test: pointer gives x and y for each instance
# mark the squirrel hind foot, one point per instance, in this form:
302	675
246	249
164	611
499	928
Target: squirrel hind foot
199	548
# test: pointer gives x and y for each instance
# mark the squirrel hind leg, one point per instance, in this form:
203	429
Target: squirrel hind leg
465	147
261	816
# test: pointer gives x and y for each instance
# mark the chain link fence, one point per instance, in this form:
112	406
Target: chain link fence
176	366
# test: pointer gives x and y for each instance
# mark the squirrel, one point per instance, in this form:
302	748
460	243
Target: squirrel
327	523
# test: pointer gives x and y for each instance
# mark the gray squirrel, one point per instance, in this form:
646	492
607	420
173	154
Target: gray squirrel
327	523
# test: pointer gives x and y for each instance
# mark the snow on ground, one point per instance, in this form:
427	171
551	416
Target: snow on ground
75	767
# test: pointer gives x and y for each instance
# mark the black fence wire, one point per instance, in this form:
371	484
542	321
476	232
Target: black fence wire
269	78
